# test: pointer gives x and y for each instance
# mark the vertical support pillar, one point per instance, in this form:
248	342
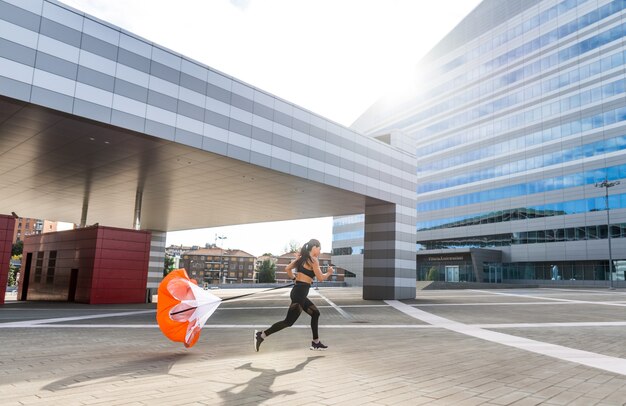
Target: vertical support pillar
7	227
156	263
86	196
137	212
389	261
83	214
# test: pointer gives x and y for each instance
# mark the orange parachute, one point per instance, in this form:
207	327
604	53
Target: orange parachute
183	307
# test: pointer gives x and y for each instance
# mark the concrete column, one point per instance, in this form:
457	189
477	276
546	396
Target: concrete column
83	214
156	262
137	212
389	263
86	195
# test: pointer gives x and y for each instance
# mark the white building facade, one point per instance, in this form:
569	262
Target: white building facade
106	127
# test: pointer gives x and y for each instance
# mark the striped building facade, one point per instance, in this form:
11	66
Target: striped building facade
59	65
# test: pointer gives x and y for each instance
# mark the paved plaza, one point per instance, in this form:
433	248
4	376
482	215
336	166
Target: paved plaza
446	347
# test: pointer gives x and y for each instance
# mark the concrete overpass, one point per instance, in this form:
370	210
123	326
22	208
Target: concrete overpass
98	125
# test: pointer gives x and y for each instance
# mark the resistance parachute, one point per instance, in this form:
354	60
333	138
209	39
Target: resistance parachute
183	307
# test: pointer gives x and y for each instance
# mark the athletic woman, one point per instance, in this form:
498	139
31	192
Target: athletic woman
308	267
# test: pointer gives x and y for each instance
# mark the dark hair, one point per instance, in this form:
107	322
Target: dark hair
305	252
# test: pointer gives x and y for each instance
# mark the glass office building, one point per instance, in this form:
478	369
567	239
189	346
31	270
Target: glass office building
518	114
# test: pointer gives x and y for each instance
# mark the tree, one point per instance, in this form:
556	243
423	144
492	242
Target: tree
433	274
293	246
267	272
12	276
14	270
17	248
168	265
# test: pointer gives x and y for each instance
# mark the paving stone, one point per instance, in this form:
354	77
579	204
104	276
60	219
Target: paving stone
528	401
391	359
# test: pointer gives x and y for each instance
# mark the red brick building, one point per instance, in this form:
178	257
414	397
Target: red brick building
25	226
212	266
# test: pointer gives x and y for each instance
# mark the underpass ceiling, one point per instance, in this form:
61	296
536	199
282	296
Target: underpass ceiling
51	163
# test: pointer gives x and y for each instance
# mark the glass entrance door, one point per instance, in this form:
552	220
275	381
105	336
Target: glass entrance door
452	273
495	274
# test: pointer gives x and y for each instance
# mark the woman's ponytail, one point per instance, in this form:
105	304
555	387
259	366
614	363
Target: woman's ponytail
305	252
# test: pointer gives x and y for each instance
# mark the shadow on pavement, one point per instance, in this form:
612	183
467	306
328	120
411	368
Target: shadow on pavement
154	365
260	383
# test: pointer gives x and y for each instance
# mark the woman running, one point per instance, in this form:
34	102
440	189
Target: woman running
308	267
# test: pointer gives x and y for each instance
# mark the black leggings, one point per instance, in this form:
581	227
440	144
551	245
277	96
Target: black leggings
299	302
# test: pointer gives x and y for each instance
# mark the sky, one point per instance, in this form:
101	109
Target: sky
332	57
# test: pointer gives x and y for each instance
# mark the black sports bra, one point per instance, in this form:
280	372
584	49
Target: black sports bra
307	272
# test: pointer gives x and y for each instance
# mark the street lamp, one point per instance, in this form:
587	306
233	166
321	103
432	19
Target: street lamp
219	237
606	185
221	277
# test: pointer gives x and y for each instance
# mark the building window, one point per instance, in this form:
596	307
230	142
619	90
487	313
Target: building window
529	237
38	266
52	263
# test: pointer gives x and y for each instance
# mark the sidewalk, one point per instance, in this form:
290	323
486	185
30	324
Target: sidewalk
463	347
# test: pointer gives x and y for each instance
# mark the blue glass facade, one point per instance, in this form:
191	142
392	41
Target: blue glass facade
539	186
515	120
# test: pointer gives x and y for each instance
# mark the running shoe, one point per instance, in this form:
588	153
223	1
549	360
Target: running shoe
257	340
318	346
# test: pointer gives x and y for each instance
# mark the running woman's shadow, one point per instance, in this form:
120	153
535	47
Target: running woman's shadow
259	386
